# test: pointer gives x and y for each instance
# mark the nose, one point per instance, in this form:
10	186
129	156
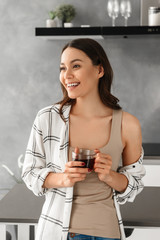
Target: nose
68	74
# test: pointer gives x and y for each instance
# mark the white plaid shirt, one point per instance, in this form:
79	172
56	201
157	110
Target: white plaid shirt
47	151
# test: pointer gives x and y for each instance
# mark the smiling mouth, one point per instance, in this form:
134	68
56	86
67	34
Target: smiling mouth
73	84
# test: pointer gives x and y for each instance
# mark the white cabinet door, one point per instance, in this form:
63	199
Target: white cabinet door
152	177
145	234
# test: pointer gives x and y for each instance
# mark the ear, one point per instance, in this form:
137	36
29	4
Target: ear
101	71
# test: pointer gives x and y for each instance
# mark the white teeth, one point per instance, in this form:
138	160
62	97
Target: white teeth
72	84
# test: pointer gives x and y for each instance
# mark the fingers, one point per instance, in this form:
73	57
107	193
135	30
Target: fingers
103	155
97	151
77	175
72	164
69	179
103	158
103	163
104	171
76	150
76	170
73	173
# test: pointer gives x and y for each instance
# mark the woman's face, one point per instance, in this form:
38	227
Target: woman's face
77	73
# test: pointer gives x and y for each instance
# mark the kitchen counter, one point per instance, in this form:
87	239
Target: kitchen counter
20	206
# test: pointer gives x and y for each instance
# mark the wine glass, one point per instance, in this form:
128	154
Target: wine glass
125	9
113	10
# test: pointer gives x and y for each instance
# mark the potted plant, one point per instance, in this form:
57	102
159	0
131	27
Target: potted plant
51	22
66	13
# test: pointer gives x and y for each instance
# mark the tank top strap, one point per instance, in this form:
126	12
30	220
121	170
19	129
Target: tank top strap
116	127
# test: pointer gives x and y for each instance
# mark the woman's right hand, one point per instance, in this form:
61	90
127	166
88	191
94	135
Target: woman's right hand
73	173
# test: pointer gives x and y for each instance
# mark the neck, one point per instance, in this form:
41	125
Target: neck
90	108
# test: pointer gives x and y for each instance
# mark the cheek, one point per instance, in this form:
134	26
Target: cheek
91	78
61	78
91	73
84	77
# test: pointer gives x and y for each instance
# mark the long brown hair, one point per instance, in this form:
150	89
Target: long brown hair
98	57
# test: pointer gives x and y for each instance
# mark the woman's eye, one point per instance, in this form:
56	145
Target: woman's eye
76	66
62	68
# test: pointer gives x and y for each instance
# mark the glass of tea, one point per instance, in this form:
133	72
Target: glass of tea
85	155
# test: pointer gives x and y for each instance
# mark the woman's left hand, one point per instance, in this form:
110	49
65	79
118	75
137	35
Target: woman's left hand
102	166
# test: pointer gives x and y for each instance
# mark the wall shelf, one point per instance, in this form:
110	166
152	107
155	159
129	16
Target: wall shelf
96	32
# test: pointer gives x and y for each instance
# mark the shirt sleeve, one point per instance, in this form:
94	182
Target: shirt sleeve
35	169
134	172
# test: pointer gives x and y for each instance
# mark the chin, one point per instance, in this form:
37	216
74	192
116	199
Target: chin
71	96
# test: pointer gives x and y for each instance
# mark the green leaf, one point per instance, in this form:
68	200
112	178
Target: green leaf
52	15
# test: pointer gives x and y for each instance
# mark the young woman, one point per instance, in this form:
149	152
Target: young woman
80	205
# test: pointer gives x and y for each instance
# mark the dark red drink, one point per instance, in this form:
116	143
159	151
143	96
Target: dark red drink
86	156
89	163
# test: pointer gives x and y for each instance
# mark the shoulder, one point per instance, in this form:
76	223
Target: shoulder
49	109
47	114
52	113
131	128
44	110
53	110
48	117
129	121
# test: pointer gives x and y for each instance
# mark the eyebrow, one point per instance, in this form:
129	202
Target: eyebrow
74	60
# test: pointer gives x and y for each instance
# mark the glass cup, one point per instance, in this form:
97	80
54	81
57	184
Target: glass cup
113	10
126	10
86	156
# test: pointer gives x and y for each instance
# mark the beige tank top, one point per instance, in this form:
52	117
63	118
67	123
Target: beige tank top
93	211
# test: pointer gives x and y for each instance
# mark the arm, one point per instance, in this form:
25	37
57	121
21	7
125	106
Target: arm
34	169
102	166
132	157
134	173
132	141
40	177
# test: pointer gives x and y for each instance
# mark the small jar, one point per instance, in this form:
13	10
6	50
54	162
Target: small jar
154	16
